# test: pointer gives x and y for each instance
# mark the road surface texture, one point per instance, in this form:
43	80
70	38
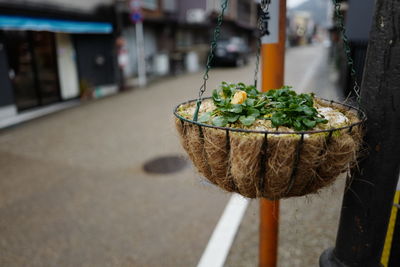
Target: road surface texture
73	191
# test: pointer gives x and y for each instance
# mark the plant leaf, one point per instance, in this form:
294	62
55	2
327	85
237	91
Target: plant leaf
205	117
232	117
277	119
219	121
216	97
250	102
249	120
226	89
297	125
236	108
309	123
283	106
253	112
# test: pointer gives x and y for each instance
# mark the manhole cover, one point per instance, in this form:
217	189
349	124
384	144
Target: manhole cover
165	165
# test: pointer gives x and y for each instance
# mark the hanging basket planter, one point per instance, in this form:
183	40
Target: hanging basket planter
271	162
271	145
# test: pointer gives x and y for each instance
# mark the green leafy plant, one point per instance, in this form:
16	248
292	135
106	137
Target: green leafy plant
284	107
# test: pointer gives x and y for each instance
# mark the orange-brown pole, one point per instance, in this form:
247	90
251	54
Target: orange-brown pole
273	69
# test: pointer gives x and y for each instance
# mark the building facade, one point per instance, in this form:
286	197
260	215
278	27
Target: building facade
177	33
54	51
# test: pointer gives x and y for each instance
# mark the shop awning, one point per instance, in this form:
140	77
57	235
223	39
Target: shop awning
53	25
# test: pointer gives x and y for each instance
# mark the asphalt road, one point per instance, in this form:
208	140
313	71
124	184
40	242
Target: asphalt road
73	191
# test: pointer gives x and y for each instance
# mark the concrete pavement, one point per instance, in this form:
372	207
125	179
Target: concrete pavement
73	193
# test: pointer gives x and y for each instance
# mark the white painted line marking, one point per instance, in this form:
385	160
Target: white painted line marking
222	238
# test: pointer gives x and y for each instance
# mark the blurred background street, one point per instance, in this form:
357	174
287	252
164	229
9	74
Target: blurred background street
74	193
88	90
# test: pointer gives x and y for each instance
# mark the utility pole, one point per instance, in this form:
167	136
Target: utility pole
141	54
273	69
368	200
137	18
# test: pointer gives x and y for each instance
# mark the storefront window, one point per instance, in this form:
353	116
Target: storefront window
21	71
33	68
46	65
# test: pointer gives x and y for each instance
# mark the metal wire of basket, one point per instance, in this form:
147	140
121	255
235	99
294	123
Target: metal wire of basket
259	182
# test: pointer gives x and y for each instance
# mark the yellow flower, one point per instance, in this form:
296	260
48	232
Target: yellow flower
267	115
239	97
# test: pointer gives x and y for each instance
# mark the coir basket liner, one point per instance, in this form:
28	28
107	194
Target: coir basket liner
272	164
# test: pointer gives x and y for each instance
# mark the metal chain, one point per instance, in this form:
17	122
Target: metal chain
264	16
350	62
217	32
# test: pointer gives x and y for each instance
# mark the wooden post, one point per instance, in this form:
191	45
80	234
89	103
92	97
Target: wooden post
368	200
273	59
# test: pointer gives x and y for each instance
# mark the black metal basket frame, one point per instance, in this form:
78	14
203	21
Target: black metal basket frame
361	115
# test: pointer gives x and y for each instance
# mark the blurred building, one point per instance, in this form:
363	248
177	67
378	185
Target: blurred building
178	32
53	51
301	28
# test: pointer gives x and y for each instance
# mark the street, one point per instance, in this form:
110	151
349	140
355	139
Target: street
73	191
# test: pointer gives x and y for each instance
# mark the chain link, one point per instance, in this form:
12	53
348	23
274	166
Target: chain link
261	23
350	62
217	33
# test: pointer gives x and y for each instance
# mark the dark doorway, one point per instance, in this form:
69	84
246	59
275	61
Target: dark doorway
95	60
33	68
46	67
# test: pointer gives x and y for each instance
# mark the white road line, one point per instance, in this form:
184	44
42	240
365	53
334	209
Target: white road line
222	238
